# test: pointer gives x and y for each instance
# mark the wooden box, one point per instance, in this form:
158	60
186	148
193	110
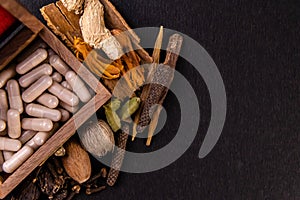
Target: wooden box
34	30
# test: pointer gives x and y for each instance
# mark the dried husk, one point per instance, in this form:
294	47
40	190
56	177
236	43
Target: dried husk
74	5
95	33
97	138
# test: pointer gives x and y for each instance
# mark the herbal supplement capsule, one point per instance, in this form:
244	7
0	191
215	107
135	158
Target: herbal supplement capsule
65	115
3	105
26	136
48	100
7	155
64	94
65	84
37	88
41	137
59	64
7	74
32	144
14	97
37	124
29	78
33	60
7	144
36	110
13	123
71	109
17	159
56	77
2	125
78	86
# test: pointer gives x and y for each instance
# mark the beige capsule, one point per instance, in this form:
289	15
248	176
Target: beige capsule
48	100
37	124
2	125
78	86
32	144
29	78
3	105
57	77
14	96
59	64
71	109
37	88
65	115
7	144
17	159
31	61
26	136
7	74
7	155
36	110
65	84
64	94
13	123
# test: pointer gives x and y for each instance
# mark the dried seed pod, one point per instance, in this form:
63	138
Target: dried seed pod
112	119
95	33
77	162
118	156
97	138
113	104
73	5
130	107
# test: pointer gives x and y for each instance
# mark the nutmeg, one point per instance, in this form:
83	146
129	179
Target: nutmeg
97	138
77	162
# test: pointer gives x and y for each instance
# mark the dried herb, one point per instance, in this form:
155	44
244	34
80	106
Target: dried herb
161	79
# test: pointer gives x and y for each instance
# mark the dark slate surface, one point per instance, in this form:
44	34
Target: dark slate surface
255	45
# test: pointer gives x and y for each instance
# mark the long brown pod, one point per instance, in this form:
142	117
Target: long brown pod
161	80
118	156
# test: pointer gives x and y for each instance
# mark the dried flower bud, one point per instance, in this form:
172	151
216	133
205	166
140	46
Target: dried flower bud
95	33
73	5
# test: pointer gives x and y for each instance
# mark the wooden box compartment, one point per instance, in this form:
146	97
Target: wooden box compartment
32	32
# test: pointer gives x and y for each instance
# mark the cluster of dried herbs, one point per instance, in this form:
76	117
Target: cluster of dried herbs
52	181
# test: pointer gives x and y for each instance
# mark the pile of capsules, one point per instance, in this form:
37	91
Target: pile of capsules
35	95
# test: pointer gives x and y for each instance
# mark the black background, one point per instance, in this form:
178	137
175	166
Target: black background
255	45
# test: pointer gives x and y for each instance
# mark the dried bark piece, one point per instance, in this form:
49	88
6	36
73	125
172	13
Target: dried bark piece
118	157
58	24
70	16
77	162
74	5
95	33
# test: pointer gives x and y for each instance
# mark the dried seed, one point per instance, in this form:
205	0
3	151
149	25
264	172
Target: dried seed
76	162
97	138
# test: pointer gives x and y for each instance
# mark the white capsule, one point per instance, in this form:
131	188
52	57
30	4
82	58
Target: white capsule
7	155
57	77
29	78
37	124
36	110
7	74
78	86
59	64
48	100
17	159
26	136
3	105
14	96
33	60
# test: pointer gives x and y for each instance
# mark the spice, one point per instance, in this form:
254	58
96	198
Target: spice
118	156
97	138
77	162
112	117
74	5
161	79
130	107
95	33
